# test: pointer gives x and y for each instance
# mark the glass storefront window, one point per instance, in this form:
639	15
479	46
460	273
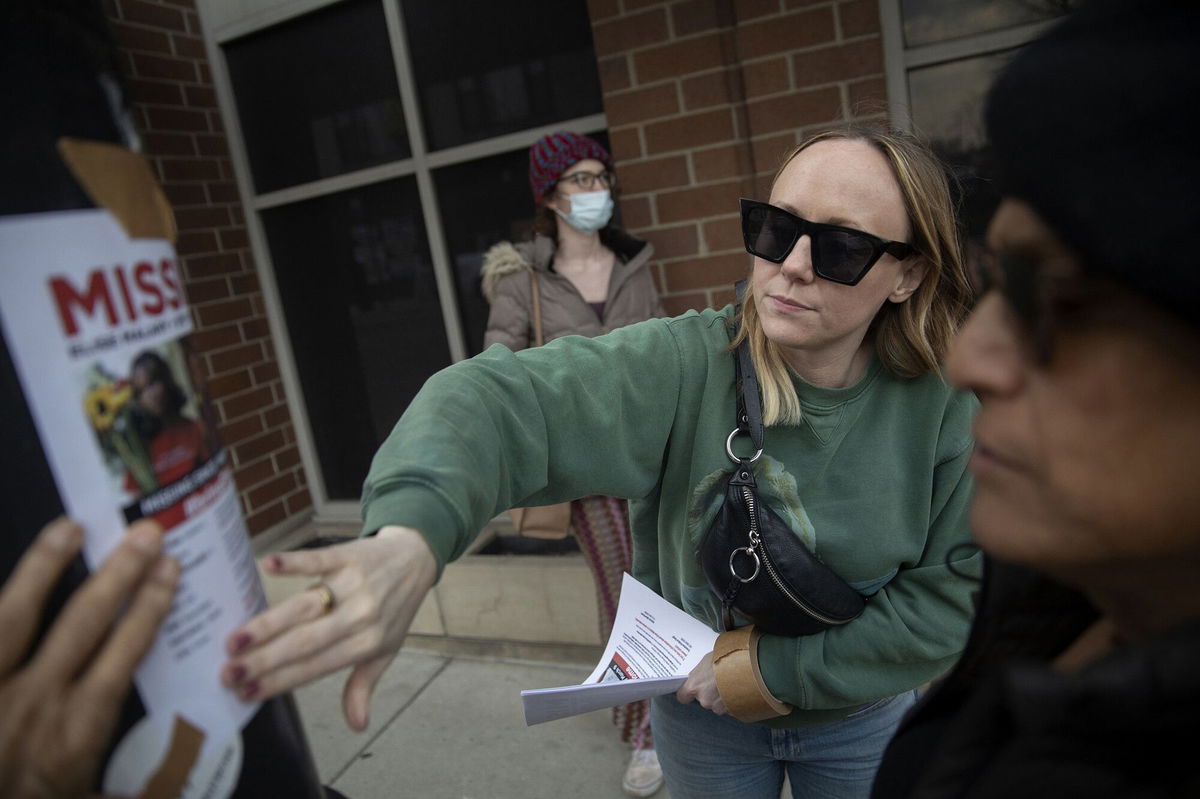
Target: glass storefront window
363	316
371	309
500	68
317	96
933	21
947	108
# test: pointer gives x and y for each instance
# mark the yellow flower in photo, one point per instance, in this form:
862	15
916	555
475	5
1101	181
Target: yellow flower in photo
104	402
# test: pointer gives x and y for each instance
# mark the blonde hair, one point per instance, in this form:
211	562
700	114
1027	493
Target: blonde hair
911	337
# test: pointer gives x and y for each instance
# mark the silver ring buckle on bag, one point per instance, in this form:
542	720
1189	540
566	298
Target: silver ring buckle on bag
729	448
757	564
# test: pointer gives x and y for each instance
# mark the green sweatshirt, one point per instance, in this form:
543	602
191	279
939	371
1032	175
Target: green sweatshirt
874	481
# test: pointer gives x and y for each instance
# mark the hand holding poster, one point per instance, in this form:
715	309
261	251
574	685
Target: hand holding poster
95	320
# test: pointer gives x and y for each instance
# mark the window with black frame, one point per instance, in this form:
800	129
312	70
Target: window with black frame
375	215
952	51
310	106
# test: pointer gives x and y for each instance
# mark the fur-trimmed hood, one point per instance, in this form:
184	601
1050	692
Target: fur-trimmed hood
507	269
505	258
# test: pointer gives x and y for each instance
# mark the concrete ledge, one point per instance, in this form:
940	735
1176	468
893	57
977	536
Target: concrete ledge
488	648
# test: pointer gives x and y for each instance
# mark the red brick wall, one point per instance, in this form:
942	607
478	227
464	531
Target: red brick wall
175	109
704	97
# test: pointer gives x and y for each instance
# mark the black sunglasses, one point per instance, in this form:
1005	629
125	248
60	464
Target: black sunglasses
1040	302
1014	276
841	254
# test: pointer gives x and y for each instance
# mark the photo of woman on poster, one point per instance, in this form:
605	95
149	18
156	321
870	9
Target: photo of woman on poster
175	444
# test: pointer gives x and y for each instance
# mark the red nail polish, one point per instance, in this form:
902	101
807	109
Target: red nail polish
237	674
240	642
250	690
274	563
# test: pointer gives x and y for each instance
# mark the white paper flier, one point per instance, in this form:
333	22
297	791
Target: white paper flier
652	649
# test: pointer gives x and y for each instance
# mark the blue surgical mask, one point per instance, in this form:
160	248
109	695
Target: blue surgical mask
590	210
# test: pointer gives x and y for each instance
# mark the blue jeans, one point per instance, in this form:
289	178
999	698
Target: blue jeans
706	756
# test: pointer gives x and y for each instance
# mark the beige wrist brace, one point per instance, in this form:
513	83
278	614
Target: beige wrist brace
740	683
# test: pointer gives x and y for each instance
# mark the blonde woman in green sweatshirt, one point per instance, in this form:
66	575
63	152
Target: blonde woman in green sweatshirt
855	289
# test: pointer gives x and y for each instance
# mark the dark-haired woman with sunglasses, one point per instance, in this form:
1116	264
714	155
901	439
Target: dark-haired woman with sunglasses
1082	675
856	287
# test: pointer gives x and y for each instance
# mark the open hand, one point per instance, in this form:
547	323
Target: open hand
370	590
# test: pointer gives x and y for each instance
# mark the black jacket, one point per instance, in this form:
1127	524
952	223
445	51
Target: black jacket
1003	724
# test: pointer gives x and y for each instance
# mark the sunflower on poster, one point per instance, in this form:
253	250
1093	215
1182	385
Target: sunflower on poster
109	405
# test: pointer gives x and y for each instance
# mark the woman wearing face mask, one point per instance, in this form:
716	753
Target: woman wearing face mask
591	277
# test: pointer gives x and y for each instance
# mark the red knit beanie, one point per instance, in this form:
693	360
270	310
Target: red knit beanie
551	155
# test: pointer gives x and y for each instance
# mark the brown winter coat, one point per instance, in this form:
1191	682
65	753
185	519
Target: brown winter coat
632	296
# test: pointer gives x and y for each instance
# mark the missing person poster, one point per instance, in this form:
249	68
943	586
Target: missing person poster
97	325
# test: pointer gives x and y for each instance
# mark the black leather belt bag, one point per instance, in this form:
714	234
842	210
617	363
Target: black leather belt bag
753	560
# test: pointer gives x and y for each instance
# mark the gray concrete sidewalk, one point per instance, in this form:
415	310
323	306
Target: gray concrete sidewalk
451	726
448	724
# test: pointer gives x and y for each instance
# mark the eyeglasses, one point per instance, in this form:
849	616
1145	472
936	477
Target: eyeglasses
841	254
587	180
1039	299
1014	276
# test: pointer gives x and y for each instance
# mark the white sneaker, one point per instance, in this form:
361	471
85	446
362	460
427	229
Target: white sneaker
644	776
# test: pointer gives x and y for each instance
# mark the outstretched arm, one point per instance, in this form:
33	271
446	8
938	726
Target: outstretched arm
482	436
376	585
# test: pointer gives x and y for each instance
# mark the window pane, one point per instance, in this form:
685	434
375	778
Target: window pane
317	96
363	317
500	69
484	202
930	21
947	103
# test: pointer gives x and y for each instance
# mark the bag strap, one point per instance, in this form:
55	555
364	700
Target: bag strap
749	401
536	299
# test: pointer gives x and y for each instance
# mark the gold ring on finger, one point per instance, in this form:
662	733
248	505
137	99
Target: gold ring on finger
328	600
